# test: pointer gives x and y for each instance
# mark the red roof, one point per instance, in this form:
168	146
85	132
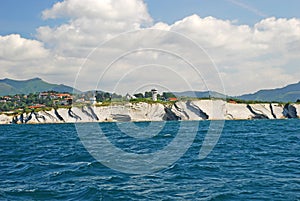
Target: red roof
232	101
36	106
62	95
173	99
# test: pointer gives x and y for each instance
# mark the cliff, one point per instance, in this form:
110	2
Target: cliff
183	110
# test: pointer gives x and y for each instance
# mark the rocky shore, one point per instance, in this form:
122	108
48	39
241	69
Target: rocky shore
182	110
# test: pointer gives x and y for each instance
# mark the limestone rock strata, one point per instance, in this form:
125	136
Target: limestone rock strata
182	110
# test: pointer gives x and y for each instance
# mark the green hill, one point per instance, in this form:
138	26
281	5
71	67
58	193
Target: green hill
199	94
290	93
12	87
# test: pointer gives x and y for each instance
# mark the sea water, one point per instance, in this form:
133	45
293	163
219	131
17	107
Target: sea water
253	160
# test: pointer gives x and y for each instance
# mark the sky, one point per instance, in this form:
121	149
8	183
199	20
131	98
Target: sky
230	46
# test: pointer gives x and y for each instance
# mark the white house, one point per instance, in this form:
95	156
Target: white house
154	94
93	100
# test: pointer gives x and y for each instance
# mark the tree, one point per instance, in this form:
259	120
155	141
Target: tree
102	96
116	96
107	96
99	96
148	94
167	95
139	95
4	107
7	107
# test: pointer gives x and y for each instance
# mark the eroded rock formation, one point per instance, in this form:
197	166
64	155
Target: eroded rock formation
195	109
290	111
182	110
256	114
170	115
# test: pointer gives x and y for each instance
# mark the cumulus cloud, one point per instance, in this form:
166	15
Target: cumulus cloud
91	22
15	48
22	58
118	10
248	58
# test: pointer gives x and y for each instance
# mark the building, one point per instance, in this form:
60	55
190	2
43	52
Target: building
232	102
129	97
173	99
36	106
154	94
43	95
63	96
93	100
7	98
80	100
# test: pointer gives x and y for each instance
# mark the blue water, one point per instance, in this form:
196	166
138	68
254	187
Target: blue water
253	160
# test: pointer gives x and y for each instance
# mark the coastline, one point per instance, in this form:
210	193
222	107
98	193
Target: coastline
142	111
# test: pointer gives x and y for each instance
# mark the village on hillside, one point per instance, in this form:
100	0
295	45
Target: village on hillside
52	99
19	103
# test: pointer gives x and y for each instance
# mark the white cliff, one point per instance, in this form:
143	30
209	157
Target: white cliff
181	110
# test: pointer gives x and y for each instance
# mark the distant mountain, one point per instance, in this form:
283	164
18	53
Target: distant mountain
290	93
12	87
199	94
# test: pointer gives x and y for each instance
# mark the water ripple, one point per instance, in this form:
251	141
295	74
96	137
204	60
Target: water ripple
253	160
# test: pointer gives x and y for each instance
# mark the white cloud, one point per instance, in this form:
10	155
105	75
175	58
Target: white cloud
15	48
114	10
22	58
91	22
248	57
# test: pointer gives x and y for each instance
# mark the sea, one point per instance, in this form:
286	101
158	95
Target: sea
251	160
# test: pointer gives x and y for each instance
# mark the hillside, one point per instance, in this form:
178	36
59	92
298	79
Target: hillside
199	94
11	87
289	93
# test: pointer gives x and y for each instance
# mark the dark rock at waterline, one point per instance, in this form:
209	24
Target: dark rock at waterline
93	113
121	117
21	118
58	115
29	117
272	111
86	112
256	115
73	115
50	116
38	117
170	115
289	111
181	111
195	109
14	120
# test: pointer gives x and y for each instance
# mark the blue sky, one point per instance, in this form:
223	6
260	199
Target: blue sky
23	18
26	17
172	10
255	44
